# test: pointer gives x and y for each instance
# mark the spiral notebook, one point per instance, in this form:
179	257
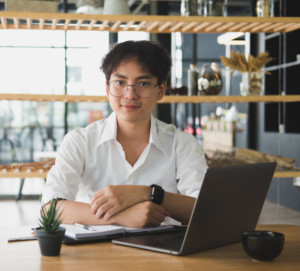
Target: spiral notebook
75	234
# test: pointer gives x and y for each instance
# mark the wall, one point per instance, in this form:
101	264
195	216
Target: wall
267	137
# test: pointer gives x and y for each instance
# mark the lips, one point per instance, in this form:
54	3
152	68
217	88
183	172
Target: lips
130	106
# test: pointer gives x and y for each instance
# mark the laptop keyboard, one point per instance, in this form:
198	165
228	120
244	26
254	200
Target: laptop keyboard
172	243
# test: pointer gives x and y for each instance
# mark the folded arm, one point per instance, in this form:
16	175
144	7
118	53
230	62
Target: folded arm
113	199
134	208
144	214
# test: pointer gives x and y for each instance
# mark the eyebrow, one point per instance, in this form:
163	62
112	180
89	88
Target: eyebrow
138	78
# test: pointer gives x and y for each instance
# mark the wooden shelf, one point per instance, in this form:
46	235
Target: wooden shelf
166	99
287	174
23	175
43	175
230	99
147	23
52	98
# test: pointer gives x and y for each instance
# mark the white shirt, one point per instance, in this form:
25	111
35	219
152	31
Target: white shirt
91	158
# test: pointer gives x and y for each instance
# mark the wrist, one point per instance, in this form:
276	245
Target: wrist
140	193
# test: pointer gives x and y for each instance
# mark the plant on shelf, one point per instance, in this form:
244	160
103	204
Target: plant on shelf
251	70
50	235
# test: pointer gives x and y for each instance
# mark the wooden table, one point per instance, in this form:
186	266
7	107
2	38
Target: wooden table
107	256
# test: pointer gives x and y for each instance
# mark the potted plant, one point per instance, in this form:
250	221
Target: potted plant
50	235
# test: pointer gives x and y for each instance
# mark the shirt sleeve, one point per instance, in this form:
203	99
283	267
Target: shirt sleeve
64	177
191	164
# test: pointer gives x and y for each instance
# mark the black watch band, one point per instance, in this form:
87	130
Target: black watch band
157	194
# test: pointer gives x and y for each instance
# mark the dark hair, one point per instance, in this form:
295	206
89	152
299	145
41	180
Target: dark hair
152	57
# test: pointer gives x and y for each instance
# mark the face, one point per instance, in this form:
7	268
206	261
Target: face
131	107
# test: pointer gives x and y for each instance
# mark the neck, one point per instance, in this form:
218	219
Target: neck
133	130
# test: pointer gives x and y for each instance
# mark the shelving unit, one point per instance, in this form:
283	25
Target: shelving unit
152	24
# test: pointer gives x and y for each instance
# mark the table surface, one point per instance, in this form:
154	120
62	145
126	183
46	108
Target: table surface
107	256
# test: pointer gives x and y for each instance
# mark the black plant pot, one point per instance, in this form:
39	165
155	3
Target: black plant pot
50	242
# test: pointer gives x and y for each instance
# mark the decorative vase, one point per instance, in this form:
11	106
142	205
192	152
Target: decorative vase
210	82
50	242
252	83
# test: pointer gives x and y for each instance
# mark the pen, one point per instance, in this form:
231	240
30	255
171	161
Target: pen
86	227
17	239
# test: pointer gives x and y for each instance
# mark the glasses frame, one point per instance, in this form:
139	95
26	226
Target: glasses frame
134	87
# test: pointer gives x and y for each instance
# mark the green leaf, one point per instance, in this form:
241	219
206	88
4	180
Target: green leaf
50	219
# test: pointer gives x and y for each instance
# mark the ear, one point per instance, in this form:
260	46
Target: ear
106	88
162	88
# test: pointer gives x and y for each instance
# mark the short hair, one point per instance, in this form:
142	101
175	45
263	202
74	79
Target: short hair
152	57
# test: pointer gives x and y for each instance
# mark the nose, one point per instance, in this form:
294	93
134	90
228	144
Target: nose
130	92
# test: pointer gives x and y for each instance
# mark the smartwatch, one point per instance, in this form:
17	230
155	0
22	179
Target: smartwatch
157	194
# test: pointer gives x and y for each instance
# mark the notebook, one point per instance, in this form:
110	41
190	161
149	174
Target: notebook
78	234
229	203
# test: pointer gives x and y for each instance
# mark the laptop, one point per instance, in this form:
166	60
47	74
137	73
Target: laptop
229	202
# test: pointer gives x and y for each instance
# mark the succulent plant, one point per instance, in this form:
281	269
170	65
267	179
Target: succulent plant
50	216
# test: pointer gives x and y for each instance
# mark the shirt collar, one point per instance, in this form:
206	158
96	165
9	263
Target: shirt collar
154	138
110	129
110	132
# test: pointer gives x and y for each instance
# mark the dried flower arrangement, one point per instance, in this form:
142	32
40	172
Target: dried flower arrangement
237	61
252	78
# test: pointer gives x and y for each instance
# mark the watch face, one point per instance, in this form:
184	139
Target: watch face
157	194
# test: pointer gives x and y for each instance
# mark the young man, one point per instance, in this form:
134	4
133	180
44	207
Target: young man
129	169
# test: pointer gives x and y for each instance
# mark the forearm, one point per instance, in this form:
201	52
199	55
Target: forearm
180	207
114	199
140	215
79	212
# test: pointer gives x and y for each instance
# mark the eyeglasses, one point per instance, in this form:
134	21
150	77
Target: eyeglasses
143	89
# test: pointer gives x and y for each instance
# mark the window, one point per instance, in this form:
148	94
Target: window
46	62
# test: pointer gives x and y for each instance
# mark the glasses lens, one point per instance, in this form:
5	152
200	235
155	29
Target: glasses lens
117	88
143	89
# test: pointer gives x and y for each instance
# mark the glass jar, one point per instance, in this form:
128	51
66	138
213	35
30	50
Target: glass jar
201	7
252	83
188	8
192	80
215	8
265	8
210	82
